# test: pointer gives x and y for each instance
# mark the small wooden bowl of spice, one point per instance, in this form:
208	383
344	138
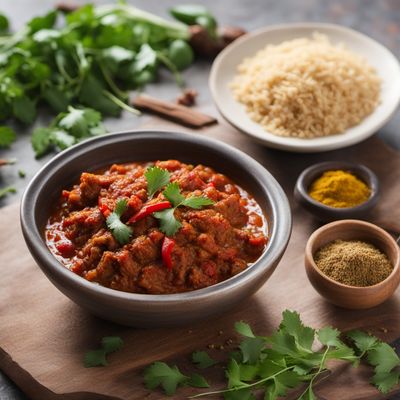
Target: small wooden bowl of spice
353	264
335	190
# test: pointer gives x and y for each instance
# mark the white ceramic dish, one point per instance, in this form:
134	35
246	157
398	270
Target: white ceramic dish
385	63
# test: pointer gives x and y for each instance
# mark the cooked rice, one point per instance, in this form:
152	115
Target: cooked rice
307	88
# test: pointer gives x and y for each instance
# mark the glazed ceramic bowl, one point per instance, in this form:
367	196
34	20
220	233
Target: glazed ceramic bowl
145	310
350	296
327	213
225	66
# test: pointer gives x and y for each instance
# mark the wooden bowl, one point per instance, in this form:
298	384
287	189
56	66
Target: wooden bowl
351	296
327	213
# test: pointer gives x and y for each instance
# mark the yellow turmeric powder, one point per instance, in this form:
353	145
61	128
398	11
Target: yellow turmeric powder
339	189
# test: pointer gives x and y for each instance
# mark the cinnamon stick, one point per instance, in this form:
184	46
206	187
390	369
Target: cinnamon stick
175	112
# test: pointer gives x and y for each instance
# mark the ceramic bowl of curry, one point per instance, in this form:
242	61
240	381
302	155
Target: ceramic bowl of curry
329	213
72	196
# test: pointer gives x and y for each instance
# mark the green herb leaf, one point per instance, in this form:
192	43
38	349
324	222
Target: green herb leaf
240	394
161	374
197	202
362	340
156	178
168	223
21	173
24	109
251	349
7	136
383	357
386	381
45	22
56	98
41	141
244	329
62	139
197	380
111	344
95	358
4	24
120	231
202	359
233	375
6	190
329	336
173	194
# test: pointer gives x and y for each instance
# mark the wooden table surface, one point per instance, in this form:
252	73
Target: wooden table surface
378	19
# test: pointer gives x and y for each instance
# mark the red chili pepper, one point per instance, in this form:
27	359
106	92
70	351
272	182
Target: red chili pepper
166	250
149	209
66	248
104	210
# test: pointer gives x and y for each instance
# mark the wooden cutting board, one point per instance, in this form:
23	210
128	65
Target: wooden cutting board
43	335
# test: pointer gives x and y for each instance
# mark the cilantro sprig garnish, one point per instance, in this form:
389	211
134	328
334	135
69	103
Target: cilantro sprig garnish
157	178
286	360
120	231
97	358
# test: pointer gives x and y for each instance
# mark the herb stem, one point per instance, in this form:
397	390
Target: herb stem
120	103
268	378
321	367
167	62
119	93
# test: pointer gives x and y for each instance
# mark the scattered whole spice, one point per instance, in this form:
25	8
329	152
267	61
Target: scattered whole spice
339	189
353	263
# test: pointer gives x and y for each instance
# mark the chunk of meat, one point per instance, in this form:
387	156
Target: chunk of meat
232	210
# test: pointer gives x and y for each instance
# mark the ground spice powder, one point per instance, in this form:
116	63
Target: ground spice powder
353	263
339	189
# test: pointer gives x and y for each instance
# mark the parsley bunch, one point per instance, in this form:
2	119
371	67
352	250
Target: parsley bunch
157	178
287	360
90	57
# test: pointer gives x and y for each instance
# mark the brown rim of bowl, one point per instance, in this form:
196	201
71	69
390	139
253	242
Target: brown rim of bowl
370	226
318	169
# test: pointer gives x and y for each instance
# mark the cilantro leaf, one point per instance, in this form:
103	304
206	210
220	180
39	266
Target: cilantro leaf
120	231
4	24
197	202
239	394
233	374
362	340
383	357
62	139
41	141
308	395
24	109
74	122
197	380
251	349
7	136
56	98
161	374
385	381
291	324
95	358
111	344
329	336
202	359
173	194
244	329
168	223
156	178
6	190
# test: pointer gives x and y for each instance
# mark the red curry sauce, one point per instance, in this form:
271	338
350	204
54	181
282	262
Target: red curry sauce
213	244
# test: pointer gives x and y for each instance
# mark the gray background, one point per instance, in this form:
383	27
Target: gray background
379	19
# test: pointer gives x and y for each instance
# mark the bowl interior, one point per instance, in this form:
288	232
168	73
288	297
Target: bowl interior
356	230
385	63
153	147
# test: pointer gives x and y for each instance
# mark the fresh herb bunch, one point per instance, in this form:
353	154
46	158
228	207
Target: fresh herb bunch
89	59
286	360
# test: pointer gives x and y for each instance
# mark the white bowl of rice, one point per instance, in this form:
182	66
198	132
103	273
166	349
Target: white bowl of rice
306	87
